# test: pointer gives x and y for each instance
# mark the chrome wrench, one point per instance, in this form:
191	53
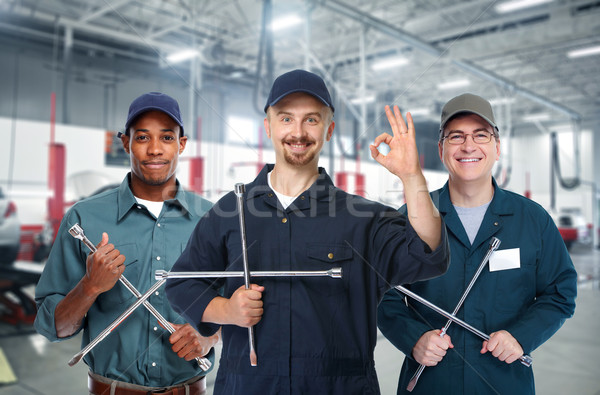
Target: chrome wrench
494	244
77	232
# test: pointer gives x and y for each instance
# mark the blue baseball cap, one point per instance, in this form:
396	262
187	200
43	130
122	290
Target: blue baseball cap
299	81
154	101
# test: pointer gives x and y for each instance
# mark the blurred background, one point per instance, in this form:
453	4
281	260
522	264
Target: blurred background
70	69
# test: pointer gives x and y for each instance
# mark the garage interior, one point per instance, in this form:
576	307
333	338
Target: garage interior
71	67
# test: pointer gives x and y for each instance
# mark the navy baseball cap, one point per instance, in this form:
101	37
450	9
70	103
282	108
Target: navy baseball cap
299	81
154	101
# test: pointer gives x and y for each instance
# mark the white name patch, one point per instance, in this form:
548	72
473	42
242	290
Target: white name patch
505	260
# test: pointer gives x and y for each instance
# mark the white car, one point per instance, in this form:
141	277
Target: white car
10	231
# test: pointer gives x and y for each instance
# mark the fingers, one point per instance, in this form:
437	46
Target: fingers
104	240
431	348
503	346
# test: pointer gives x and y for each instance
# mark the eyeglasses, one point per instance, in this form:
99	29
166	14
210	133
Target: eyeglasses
479	137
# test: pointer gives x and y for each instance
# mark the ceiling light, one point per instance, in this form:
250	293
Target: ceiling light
285	21
578	53
454	84
389	63
510	6
361	100
182	55
541	116
502	100
420	112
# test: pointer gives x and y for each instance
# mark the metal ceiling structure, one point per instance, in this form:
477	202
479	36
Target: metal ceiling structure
518	59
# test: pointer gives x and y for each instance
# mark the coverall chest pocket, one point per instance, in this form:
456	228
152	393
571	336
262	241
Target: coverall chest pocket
119	293
321	256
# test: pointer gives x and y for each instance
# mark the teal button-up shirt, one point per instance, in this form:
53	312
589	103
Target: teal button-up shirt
137	351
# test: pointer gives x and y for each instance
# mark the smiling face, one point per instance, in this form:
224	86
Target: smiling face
299	124
469	162
154	146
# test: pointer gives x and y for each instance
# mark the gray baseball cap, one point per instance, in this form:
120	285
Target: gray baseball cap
470	103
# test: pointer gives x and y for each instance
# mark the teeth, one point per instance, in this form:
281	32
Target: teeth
469	160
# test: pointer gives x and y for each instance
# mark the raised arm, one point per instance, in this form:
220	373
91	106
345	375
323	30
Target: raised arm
403	161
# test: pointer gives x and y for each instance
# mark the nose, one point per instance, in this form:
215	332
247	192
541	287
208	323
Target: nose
297	130
469	144
154	147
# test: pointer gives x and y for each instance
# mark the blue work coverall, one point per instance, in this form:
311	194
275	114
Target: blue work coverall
317	334
530	302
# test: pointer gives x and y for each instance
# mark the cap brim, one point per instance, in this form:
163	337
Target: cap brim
275	101
150	108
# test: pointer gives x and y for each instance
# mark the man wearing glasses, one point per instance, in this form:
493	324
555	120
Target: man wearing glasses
521	298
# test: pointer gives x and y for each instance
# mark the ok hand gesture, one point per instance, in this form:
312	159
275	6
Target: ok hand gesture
403	158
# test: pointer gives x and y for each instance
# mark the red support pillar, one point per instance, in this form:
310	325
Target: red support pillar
197	175
56	184
360	187
341	180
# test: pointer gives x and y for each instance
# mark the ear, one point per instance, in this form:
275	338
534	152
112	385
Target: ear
125	142
441	150
498	150
267	127
182	143
330	130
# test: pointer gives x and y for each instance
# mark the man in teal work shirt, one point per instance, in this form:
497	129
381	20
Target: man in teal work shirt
521	299
141	226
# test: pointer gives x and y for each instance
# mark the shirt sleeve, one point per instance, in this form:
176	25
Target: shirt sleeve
556	290
205	251
398	323
402	256
65	267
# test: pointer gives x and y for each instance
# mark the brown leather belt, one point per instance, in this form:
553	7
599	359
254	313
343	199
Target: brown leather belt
99	388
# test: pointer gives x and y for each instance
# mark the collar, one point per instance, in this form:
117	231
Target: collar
500	204
321	189
126	200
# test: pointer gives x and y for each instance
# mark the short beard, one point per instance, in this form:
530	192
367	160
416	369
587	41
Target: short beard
299	159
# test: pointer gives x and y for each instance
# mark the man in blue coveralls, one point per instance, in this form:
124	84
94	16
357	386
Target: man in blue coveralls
313	335
149	219
521	299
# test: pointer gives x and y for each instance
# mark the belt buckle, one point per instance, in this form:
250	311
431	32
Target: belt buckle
162	390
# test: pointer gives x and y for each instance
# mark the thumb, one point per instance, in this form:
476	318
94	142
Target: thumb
104	240
484	347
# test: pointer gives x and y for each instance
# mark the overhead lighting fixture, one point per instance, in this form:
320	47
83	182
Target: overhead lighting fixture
454	84
182	55
539	117
389	63
361	100
502	100
285	22
420	112
515	5
589	51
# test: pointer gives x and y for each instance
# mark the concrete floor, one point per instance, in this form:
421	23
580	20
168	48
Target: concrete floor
569	363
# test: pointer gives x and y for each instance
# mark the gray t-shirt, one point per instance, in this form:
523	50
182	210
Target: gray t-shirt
471	218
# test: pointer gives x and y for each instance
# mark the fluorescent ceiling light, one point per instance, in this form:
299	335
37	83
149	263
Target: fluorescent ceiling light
285	21
454	84
578	53
510	6
389	63
182	55
502	100
361	100
420	112
541	116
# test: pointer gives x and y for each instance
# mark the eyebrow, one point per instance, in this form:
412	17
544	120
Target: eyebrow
147	130
310	114
476	130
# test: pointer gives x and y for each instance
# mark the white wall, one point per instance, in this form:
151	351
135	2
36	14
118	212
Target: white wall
228	164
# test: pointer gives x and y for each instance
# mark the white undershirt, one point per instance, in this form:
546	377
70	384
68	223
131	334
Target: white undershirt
283	199
154	207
